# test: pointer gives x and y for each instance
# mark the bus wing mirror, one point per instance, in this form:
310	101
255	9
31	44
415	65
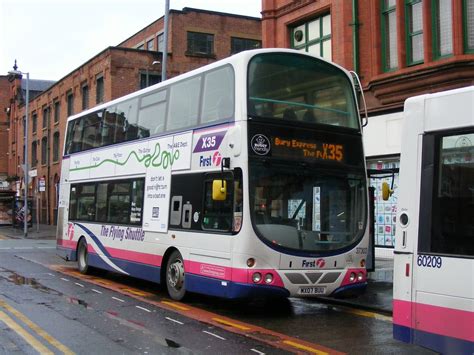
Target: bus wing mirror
219	190
386	191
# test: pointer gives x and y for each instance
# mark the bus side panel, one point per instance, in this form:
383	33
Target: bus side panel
65	246
402	305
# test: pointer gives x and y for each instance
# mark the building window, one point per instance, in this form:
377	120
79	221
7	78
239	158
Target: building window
34	154
85	96
34	122
414	30
46	114
44	150
314	37
243	44
161	42
149	45
70	103
57	111
469	26
148	79
389	35
200	43
99	94
141	46
56	147
442	28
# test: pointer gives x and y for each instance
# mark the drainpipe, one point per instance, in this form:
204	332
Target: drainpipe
355	35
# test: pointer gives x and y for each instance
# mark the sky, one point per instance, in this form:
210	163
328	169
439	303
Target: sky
51	38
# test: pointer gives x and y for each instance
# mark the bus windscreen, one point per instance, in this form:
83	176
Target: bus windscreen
283	86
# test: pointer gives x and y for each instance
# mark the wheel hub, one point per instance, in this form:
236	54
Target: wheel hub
176	275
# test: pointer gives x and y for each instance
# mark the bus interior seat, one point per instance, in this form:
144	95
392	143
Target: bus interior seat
309	116
289	114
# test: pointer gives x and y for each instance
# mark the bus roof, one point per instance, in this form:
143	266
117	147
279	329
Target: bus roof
236	60
440	111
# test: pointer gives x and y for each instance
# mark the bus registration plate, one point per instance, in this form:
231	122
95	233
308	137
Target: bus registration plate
316	290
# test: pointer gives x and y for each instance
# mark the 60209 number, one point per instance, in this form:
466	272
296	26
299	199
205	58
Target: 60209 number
429	261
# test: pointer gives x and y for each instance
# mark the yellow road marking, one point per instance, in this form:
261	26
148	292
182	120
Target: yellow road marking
231	324
370	315
177	306
37	329
304	347
24	334
136	292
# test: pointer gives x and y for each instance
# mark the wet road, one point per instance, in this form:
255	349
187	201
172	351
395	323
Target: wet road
65	312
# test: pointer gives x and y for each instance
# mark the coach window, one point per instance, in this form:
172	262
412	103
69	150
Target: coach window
218	95
127	112
74	136
119	202
108	126
152	114
218	215
73	203
136	207
184	104
85	202
446	223
101	202
91	137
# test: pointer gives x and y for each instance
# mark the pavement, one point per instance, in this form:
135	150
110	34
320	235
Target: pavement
41	231
377	297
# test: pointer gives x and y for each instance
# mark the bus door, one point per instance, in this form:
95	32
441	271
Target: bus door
443	266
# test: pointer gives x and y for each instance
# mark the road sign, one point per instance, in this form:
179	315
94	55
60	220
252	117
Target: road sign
42	184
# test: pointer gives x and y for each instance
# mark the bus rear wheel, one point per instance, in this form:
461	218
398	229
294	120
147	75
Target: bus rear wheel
82	257
175	276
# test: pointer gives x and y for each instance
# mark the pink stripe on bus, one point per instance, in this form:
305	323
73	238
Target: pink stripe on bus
450	322
135	256
231	274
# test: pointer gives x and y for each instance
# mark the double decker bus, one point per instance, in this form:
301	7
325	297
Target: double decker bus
244	178
433	297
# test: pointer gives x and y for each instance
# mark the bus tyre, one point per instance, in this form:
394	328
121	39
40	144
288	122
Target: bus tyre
82	257
175	276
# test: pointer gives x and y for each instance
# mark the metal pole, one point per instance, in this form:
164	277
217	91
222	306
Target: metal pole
164	60
25	216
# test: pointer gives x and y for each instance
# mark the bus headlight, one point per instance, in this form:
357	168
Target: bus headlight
268	278
256	277
352	277
360	276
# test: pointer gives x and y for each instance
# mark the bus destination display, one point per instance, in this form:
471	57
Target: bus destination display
297	148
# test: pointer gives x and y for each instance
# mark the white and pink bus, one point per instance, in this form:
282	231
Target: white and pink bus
242	178
433	303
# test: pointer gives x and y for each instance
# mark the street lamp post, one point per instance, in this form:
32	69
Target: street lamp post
26	166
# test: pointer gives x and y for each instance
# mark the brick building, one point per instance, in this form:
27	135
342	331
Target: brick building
196	37
399	48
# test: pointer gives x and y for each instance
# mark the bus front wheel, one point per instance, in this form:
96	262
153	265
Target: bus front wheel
82	257
175	276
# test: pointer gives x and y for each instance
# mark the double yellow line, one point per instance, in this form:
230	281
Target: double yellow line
30	339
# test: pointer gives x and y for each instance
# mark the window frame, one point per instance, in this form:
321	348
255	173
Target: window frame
430	175
75	196
70	103
465	29
44	151
410	35
99	89
436	29
56	146
85	96
191	40
317	41
385	33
